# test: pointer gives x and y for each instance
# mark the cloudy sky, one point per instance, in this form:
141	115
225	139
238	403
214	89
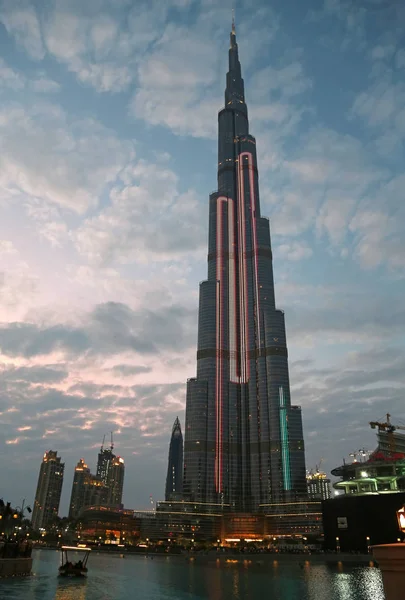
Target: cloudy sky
108	113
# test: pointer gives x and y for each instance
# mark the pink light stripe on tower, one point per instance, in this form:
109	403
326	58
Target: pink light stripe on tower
253	211
221	201
233	319
243	295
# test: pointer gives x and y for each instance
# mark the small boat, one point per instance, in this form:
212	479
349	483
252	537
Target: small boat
70	568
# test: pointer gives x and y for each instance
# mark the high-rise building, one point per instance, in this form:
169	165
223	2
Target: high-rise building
111	470
49	488
243	439
318	486
174	478
95	492
77	497
87	490
105	456
115	482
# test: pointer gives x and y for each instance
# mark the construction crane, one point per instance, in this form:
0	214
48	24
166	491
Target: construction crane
318	466
389	428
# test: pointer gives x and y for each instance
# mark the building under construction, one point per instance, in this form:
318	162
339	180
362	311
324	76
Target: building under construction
101	490
378	472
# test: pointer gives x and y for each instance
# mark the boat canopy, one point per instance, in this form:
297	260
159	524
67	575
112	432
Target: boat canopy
76	548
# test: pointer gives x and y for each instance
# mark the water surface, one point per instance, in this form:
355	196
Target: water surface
173	578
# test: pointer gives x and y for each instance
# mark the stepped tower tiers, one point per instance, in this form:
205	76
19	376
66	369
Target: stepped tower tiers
243	439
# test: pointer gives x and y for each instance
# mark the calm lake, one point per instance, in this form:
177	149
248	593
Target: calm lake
174	578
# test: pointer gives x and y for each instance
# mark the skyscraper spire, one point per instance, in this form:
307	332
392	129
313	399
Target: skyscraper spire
235	90
233	31
243	438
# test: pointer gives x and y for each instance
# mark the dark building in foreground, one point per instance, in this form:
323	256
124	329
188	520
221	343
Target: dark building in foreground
174	478
243	439
370	491
353	523
49	489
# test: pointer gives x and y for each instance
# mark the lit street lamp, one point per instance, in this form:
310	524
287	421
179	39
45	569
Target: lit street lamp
401	520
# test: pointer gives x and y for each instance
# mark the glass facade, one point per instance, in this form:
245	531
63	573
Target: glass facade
87	490
115	482
104	460
77	497
243	439
49	489
174	478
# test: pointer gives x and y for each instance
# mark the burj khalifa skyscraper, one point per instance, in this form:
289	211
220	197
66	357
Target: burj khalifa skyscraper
243	439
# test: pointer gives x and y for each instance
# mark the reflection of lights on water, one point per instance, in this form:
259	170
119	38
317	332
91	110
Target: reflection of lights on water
343	583
363	582
236	583
371	584
71	590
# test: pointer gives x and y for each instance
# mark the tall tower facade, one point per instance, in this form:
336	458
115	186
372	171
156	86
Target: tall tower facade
87	490
174	478
115	481
49	489
243	439
78	495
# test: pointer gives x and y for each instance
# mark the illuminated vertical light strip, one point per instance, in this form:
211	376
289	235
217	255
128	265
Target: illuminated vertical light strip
233	375
241	278
285	450
253	211
243	295
217	380
221	201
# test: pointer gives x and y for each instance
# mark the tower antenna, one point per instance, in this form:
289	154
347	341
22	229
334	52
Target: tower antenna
112	443
102	445
233	21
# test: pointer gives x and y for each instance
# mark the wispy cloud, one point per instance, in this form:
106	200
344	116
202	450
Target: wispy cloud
107	156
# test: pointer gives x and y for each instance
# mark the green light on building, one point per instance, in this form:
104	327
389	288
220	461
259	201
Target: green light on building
285	450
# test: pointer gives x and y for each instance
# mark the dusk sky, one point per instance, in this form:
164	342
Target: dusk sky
108	124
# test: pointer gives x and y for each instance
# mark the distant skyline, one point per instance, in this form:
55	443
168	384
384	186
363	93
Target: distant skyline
107	157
